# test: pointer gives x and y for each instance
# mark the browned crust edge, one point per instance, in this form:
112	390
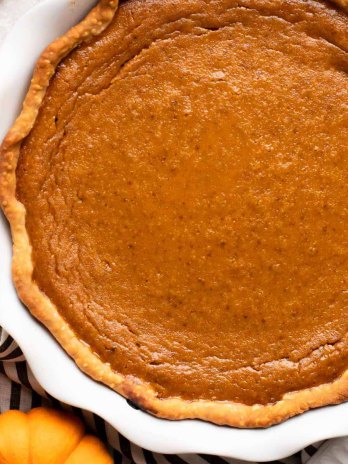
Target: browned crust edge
224	413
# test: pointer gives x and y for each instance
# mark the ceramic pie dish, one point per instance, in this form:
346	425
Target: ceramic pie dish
184	424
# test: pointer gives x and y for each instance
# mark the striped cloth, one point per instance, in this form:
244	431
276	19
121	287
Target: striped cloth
20	390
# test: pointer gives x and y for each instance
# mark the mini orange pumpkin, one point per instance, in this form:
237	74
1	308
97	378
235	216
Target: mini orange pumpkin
46	436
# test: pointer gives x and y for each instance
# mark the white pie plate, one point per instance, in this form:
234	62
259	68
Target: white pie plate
55	371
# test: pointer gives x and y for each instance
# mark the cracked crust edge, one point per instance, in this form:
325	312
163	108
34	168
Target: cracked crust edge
218	412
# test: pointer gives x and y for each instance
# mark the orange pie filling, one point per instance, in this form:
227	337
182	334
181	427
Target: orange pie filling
186	196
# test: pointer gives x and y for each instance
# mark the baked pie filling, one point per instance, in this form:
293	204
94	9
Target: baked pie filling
185	188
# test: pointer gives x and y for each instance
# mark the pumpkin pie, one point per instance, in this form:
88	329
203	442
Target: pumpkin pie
177	189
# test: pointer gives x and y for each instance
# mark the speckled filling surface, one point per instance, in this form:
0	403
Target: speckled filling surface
186	189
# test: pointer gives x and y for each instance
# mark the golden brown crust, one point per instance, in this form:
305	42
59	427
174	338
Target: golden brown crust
228	413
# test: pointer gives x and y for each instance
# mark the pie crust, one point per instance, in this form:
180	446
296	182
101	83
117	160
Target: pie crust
219	412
